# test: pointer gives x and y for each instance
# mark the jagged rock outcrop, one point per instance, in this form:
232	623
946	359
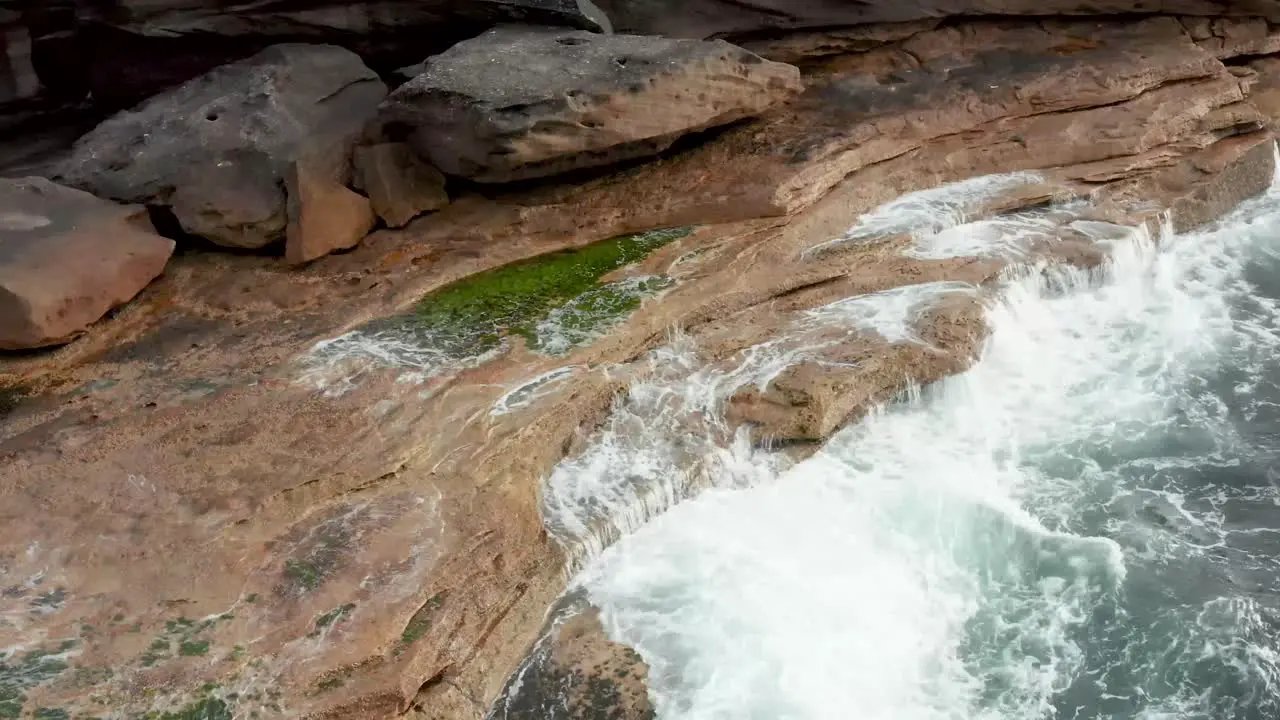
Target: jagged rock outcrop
217	149
66	258
811	399
519	103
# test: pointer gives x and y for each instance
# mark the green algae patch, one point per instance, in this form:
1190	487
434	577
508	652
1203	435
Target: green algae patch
18	675
11	396
331	618
193	648
587	316
311	567
182	637
421	621
472	316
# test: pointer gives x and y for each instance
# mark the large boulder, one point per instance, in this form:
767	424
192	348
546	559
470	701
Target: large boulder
518	103
218	148
66	258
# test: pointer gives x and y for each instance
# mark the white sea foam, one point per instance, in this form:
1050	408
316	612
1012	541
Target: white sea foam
926	212
668	438
934	562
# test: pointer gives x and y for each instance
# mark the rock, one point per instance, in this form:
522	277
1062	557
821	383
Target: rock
324	215
121	53
707	18
18	78
794	47
1231	37
1198	188
519	103
218	147
235	202
578	672
810	400
1265	89
399	184
66	258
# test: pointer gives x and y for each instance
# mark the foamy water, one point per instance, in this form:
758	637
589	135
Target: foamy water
1085	524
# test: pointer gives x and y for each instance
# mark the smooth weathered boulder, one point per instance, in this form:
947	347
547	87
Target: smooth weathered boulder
518	103
218	147
400	185
66	258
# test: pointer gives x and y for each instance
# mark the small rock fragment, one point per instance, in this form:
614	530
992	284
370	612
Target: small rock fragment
324	215
400	185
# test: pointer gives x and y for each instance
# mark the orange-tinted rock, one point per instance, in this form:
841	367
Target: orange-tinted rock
324	215
66	258
1231	37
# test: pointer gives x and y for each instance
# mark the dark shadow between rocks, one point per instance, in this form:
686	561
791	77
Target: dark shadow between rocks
166	224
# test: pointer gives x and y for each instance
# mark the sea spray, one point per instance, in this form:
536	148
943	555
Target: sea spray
993	548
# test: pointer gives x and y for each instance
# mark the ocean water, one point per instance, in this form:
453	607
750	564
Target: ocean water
1084	525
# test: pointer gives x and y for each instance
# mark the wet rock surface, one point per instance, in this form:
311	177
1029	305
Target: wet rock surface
577	672
808	401
519	103
248	490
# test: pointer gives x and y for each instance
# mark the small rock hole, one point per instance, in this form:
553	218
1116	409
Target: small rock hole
211	116
571	41
621	61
